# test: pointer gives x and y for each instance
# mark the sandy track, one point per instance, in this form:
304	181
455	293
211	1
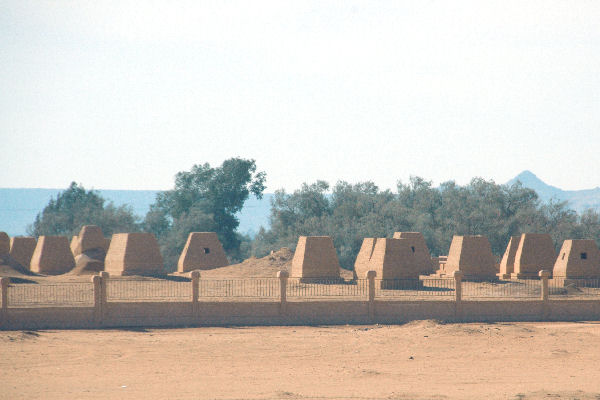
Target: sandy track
419	360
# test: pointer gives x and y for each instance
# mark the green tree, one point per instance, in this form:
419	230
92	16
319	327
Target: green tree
353	212
348	214
204	199
76	207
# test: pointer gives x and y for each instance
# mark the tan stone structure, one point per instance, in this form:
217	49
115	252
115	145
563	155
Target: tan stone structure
4	244
440	262
419	247
21	249
472	255
361	265
507	265
90	237
133	254
87	265
535	253
315	258
396	259
419	259
578	258
203	250
73	244
89	249
52	256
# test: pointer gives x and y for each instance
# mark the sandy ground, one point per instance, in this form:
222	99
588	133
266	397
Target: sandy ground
419	360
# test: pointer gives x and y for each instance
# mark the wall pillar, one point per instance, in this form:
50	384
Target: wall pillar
371	292
283	279
458	276
103	294
195	275
97	283
4	296
544	275
4	282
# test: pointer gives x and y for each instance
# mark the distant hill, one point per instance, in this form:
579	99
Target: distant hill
579	200
19	207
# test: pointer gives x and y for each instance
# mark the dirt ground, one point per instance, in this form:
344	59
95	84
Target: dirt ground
419	360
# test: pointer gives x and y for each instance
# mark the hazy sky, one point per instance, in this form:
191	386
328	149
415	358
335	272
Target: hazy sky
122	95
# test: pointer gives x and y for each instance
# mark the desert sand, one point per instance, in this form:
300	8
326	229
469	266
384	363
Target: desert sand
418	360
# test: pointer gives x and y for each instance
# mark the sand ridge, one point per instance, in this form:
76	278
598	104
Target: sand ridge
264	267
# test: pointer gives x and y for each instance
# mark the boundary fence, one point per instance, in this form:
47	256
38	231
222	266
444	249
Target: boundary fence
522	288
78	294
114	302
561	287
82	294
259	288
325	288
150	290
422	289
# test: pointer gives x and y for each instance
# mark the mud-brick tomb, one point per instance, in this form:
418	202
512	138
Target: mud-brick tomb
419	248
396	264
363	258
203	250
52	256
21	250
527	255
133	254
507	264
16	252
395	258
4	244
577	259
315	258
471	255
90	238
89	249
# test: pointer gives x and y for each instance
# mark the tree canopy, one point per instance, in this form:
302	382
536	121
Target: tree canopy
352	212
208	199
75	207
204	199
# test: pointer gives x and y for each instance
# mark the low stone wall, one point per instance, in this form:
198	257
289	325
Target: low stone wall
280	311
178	314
